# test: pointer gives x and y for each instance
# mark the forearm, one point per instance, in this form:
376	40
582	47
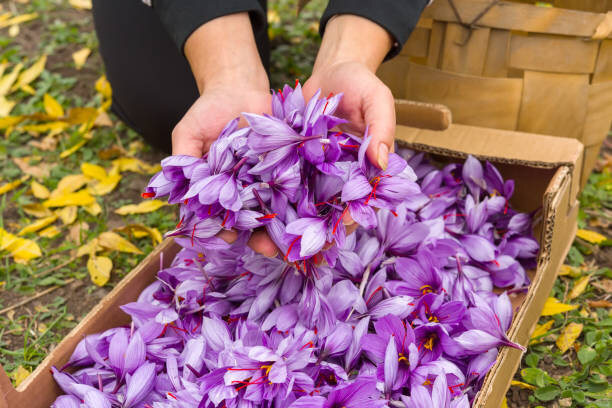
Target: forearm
350	38
216	56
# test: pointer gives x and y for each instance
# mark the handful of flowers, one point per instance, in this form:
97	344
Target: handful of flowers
401	313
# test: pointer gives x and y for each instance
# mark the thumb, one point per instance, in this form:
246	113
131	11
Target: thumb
186	140
379	114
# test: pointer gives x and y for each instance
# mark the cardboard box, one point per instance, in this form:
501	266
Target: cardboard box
546	171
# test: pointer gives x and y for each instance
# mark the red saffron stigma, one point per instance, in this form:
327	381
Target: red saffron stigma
180	222
297	82
454	214
378	289
340	219
281	94
225	218
495	262
266	217
506	207
291	246
193	234
186	201
349	145
394	213
307	345
147	195
172	395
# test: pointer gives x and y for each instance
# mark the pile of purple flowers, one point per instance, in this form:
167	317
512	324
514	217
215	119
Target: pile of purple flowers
400	313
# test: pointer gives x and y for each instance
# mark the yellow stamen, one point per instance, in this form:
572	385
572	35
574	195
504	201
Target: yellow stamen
433	319
429	343
401	357
427	382
426	289
267	368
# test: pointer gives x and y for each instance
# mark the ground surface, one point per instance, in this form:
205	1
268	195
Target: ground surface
47	295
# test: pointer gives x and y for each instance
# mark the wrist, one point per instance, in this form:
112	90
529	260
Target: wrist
350	38
218	59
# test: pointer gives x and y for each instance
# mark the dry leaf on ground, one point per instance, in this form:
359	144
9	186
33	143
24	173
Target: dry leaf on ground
39	191
80	4
568	336
553	306
72	149
67	214
69	184
139	231
141	208
38	171
591	236
540	330
52	107
114	241
30	74
38	225
103	87
21	249
79	198
5	188
99	268
49	232
20	374
579	287
79	57
37	210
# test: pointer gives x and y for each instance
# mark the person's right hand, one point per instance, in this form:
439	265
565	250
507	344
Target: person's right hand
231	80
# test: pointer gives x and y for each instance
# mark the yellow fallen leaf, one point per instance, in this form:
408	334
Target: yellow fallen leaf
566	270
38	225
79	57
103	120
568	336
67	214
18	20
116	242
36	210
69	184
39	170
7	81
80	4
99	268
553	307
79	198
139	231
135	165
6	106
103	87
28	89
39	191
49	232
89	248
79	116
13	30
11	121
105	186
521	384
93	208
94	171
53	127
540	330
30	74
73	149
47	143
5	188
21	249
579	287
52	107
20	374
591	236
141	208
504	403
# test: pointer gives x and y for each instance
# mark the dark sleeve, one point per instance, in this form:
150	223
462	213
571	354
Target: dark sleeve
183	17
398	17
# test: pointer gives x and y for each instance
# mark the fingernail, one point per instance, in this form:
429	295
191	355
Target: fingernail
383	156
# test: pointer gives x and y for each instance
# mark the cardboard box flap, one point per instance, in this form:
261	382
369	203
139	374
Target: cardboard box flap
499	146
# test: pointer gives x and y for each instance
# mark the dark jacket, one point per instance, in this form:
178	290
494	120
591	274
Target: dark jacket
182	17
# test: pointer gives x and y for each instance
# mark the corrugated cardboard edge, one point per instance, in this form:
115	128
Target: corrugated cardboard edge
106	314
560	212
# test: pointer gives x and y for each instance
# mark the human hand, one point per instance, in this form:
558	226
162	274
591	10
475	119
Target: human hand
352	49
231	80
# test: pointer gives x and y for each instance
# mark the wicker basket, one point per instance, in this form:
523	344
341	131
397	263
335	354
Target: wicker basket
513	65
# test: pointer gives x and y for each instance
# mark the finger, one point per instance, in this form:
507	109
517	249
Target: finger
228	236
186	141
379	114
260	242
